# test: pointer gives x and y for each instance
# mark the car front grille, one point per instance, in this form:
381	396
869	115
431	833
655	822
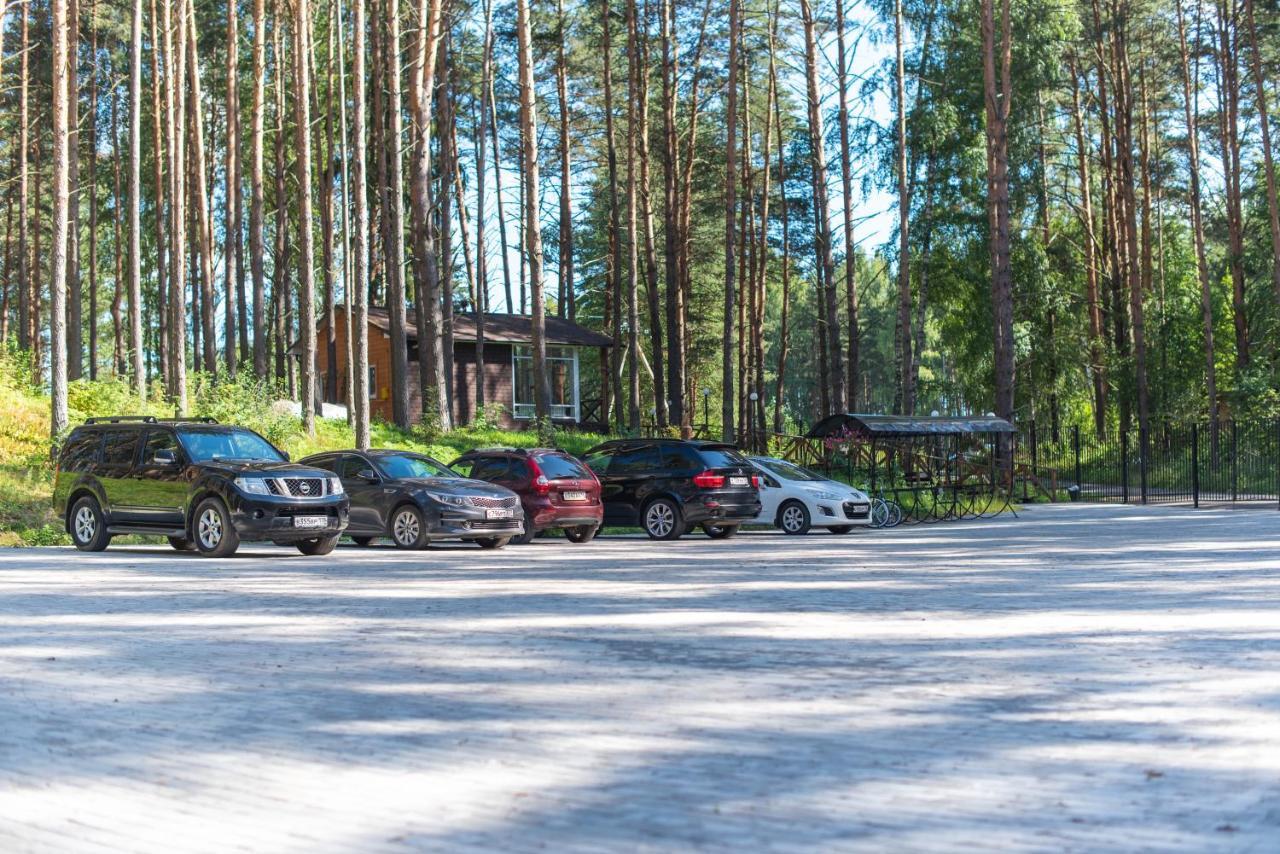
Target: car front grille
297	487
496	525
854	510
493	503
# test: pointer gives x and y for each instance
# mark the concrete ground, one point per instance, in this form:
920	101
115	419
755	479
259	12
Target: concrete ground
1083	678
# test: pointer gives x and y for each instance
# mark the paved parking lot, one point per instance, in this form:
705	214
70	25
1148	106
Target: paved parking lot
1082	678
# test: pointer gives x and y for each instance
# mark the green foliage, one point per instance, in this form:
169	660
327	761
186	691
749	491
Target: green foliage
247	401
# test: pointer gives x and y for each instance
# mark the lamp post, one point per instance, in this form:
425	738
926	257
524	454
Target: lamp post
751	423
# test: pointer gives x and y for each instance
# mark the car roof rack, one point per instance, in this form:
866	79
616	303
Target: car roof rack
121	419
192	419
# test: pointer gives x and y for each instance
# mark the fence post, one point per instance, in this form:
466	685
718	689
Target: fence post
1195	464
1235	460
1124	466
1035	449
1144	448
1075	441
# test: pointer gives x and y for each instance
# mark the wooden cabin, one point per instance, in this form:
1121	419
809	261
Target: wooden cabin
575	355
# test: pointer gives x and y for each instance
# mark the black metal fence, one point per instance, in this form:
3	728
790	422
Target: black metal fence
1225	462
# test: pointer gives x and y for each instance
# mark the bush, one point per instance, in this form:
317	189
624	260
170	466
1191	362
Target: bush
248	402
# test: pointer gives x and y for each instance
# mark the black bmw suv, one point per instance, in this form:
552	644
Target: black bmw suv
667	486
203	485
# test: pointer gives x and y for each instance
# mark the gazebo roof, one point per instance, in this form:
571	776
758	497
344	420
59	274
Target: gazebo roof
904	426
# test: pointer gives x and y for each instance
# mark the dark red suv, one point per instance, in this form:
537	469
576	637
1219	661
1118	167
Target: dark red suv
556	489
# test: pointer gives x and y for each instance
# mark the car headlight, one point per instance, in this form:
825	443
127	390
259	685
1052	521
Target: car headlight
252	485
446	498
335	486
826	496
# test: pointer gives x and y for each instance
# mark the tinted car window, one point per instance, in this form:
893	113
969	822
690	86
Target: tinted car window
160	440
556	466
81	451
635	461
599	462
721	458
490	468
350	466
678	458
118	447
326	463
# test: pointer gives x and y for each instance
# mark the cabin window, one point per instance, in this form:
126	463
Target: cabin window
562	364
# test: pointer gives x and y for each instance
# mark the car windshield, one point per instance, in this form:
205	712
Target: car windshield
231	444
789	471
412	465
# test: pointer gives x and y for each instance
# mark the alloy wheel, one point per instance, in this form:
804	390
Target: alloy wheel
406	527
792	519
660	519
210	528
86	524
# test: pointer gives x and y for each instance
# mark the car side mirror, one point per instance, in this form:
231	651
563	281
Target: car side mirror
368	474
165	457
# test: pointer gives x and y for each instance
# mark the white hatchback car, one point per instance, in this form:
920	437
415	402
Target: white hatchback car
795	499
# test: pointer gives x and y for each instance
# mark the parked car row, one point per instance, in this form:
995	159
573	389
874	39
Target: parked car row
207	487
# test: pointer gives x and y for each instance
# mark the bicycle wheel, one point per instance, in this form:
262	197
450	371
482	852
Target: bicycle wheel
879	513
895	514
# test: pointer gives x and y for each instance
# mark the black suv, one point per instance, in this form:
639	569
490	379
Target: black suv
203	485
667	486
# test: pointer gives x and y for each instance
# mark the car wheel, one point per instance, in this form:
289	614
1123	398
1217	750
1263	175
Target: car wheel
581	534
527	537
363	542
88	526
492	542
661	520
408	531
215	535
318	546
182	544
840	529
720	532
793	518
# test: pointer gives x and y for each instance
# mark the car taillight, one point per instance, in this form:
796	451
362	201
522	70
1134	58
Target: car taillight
755	481
708	480
541	485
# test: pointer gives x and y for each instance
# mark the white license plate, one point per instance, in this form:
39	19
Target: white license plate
500	513
310	521
574	496
739	481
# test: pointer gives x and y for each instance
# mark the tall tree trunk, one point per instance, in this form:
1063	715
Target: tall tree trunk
119	359
906	357
60	238
117	334
1197	218
1228	55
356	290
282	321
497	181
448	168
613	268
482	262
566	304
257	224
138	369
657	358
233	281
204	224
75	297
633	234
674	303
327	175
1097	363
306	241
435	397
533	234
846	180
784	329
25	302
727	342
393	210
997	83
348	275
834	380
175	122
159	188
